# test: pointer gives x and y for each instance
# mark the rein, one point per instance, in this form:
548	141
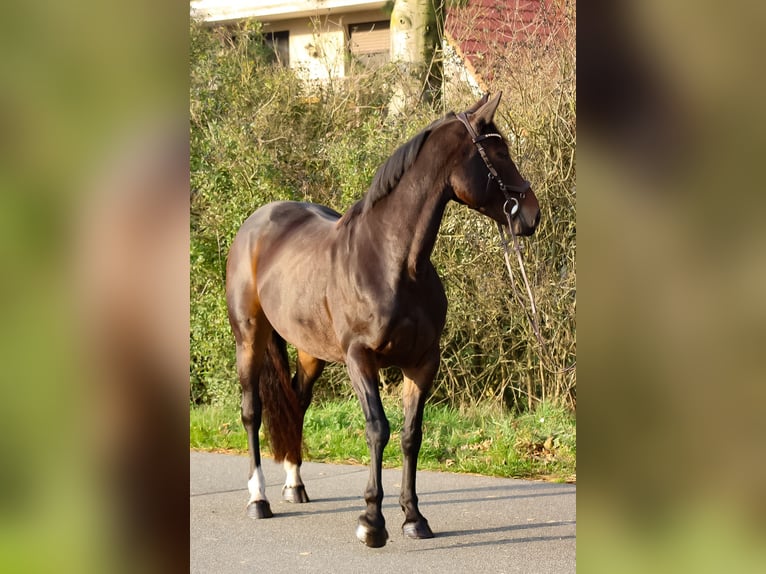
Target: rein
545	356
510	208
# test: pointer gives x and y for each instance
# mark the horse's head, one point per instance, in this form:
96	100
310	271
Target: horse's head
485	177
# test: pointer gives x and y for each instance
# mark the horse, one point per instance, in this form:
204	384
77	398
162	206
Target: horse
360	289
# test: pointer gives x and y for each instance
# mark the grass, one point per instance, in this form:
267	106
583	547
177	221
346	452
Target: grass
480	440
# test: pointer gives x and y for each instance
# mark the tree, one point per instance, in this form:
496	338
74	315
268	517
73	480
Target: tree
417	28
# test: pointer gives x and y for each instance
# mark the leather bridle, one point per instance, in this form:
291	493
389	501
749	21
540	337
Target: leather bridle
511	205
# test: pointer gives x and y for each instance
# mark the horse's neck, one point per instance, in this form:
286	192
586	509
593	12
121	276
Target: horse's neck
408	221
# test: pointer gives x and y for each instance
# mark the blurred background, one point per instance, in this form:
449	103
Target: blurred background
95	327
94	208
671	280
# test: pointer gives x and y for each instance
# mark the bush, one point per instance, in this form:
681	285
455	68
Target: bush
259	134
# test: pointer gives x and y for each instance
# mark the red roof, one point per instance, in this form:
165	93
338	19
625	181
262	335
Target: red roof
486	33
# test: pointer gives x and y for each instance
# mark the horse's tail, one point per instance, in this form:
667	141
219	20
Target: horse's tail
283	417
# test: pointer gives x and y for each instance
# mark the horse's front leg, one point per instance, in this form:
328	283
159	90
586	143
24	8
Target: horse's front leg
417	383
363	371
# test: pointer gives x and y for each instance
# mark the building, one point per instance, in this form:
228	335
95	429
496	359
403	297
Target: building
325	39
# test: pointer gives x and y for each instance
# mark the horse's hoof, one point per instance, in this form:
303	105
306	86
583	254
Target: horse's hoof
259	509
418	529
372	537
296	494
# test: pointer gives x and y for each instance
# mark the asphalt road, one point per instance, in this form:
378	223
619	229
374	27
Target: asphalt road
481	524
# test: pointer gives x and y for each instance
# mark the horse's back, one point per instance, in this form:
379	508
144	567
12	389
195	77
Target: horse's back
284	217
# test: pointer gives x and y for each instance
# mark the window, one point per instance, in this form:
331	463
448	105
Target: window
368	44
279	42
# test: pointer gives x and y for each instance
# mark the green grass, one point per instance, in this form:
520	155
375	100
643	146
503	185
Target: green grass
482	440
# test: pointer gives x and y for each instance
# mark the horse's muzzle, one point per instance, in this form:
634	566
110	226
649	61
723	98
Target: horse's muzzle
525	224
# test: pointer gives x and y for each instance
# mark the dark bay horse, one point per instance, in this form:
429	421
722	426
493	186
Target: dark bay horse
360	289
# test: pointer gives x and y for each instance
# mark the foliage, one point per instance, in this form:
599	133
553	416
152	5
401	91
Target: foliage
488	339
260	134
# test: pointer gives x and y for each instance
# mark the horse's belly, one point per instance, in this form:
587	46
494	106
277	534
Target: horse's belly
307	330
293	270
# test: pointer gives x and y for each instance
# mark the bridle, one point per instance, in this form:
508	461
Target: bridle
511	205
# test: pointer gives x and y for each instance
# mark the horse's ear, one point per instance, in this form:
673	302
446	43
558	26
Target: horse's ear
486	112
477	105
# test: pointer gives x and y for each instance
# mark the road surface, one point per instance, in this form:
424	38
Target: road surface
481	524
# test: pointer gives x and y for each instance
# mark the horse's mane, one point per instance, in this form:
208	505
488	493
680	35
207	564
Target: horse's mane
391	171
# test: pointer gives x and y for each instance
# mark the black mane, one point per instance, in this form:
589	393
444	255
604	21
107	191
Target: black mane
391	171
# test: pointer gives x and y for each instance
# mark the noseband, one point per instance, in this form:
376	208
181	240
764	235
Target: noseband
511	205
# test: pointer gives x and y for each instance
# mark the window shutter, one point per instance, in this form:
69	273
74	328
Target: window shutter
369	38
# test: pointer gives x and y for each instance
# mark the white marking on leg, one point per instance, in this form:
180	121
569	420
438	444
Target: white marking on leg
257	486
293	474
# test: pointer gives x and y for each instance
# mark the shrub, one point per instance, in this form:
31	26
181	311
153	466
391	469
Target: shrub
259	134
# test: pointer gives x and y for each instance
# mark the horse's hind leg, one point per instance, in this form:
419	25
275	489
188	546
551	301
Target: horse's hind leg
307	372
252	335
